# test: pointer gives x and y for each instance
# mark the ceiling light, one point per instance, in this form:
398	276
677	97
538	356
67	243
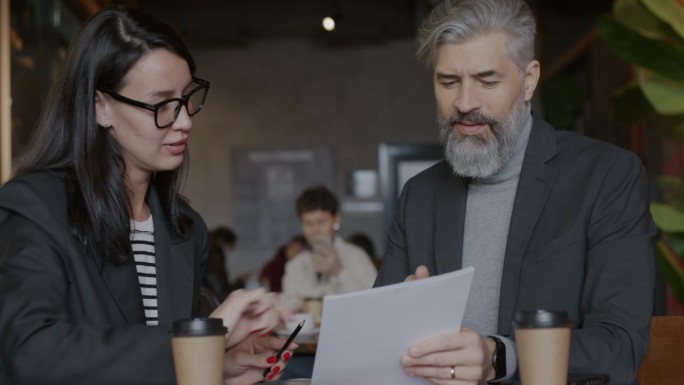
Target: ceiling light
328	23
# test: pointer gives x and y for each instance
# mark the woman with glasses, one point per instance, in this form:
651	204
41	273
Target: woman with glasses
99	252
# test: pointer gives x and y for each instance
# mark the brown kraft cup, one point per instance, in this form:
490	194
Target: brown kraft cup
314	305
198	346
543	344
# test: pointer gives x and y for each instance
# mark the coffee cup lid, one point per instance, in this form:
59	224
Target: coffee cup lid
541	319
198	327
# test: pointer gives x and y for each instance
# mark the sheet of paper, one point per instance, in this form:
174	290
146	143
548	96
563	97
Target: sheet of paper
364	334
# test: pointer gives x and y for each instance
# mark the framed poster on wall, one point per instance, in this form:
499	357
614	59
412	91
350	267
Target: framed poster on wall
265	185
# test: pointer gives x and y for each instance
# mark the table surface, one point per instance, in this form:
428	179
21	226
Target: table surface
296	381
594	380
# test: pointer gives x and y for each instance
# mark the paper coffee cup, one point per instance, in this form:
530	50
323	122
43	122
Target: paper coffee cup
543	344
198	346
315	306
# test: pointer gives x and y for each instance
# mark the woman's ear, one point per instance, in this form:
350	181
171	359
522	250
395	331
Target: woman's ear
101	113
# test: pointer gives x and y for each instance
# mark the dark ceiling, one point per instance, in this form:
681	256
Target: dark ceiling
224	22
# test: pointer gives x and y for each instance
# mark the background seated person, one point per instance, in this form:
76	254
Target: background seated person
271	275
363	241
330	265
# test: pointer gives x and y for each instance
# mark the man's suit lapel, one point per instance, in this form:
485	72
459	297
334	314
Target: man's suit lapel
449	222
175	267
534	185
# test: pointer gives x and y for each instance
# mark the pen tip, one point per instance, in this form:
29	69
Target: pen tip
302	323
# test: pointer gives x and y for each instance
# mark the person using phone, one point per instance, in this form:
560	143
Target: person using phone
330	265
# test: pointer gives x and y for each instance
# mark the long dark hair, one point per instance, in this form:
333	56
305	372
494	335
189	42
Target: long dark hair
69	138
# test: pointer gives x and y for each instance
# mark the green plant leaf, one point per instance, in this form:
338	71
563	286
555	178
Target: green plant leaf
561	97
670	268
665	95
630	105
672	187
667	218
676	242
670	11
675	123
637	16
659	56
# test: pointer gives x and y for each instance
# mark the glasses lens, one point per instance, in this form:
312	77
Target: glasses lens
166	113
196	100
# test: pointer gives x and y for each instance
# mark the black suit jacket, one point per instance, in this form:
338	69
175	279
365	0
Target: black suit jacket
580	240
63	319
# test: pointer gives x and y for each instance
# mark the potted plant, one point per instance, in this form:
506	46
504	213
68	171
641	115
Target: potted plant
649	34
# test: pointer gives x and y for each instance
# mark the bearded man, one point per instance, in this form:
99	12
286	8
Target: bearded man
549	219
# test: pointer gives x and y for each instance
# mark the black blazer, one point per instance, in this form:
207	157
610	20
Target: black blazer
580	240
63	320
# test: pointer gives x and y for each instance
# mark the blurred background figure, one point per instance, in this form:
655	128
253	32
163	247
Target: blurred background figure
363	241
330	265
272	272
222	241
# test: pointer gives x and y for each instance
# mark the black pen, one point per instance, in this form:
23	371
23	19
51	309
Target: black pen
286	344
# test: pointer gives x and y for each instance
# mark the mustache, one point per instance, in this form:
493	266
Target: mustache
472	117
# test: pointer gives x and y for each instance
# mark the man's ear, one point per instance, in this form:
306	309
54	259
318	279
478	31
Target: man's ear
531	79
101	113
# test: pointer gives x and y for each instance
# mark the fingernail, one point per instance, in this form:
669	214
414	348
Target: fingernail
272	359
275	369
270	377
286	356
264	334
255	331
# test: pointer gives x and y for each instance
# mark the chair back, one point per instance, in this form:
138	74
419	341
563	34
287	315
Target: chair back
664	361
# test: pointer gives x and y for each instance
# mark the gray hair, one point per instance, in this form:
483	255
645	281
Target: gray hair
457	21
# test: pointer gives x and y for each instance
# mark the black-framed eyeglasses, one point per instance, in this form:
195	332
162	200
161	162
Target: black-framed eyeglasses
166	112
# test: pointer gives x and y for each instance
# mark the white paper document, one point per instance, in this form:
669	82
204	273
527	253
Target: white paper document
364	334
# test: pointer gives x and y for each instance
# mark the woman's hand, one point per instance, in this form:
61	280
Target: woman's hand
245	312
245	363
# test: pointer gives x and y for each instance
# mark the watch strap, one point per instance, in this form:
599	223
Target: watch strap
498	360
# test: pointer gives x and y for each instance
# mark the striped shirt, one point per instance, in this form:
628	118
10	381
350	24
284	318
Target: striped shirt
142	243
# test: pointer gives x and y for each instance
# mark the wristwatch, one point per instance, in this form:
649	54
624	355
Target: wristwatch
498	360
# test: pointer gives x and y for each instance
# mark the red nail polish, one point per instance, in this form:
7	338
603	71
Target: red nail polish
270	377
275	369
286	356
272	359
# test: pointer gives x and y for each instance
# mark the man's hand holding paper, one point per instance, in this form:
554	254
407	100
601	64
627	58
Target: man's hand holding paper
368	349
464	357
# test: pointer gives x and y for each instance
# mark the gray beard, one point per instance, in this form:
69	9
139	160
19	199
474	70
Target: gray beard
478	157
